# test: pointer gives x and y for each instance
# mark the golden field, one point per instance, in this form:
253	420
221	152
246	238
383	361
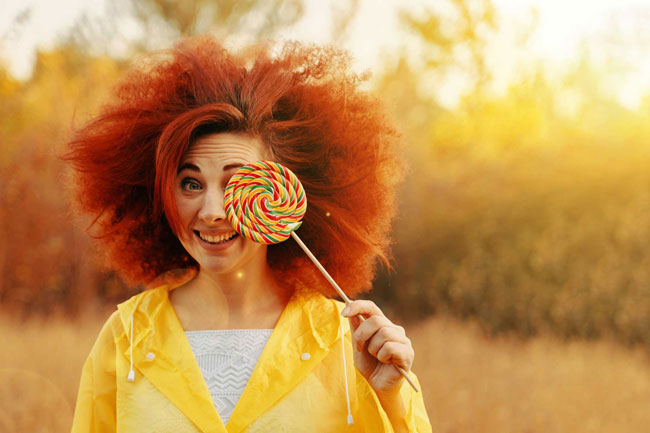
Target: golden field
471	383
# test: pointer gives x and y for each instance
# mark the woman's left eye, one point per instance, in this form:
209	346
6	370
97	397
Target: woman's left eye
190	185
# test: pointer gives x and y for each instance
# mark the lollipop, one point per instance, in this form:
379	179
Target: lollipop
265	202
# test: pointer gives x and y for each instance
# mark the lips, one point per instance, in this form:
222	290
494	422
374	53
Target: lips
216	238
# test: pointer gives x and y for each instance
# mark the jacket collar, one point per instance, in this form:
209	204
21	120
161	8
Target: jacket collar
309	325
173	369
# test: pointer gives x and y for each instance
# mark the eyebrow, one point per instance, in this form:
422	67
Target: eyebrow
232	166
188	166
192	167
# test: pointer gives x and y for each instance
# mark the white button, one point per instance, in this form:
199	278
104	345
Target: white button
151	356
305	356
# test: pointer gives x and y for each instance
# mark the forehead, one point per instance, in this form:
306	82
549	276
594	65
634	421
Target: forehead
225	147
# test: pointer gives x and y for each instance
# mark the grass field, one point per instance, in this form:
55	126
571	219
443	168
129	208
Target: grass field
475	384
470	383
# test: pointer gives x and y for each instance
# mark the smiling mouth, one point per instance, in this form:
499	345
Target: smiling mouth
216	239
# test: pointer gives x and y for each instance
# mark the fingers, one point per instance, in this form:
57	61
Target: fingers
385	341
400	354
378	335
367	308
369	328
356	311
383	336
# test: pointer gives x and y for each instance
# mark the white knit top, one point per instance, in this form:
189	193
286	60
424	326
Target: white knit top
227	359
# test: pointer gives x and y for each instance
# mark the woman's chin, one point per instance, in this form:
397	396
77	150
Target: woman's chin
228	259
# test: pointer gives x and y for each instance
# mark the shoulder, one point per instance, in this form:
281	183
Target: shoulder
320	314
117	324
147	302
147	299
316	305
310	298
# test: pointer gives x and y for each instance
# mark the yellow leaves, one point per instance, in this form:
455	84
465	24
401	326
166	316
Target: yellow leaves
39	113
8	85
40	247
525	209
70	81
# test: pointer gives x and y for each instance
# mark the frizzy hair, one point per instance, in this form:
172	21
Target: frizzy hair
306	107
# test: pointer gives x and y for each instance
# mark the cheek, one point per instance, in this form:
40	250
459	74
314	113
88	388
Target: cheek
186	211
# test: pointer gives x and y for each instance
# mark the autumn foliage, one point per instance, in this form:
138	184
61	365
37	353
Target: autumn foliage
525	209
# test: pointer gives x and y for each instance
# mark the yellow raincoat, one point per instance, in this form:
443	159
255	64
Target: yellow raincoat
297	385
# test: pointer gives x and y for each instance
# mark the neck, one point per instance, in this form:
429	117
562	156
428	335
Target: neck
240	290
249	297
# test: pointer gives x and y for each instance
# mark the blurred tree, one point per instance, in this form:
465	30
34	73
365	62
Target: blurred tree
525	210
252	18
343	13
43	257
16	27
449	41
133	26
454	38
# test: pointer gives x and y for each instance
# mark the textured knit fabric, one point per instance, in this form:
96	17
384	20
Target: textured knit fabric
227	359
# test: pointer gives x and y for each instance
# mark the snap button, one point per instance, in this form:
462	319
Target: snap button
305	356
151	356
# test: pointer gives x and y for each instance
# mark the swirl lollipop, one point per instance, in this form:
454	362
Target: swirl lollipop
265	202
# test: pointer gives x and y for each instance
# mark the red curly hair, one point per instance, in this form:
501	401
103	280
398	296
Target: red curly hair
306	107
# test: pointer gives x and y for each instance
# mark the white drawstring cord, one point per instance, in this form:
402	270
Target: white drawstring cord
345	375
131	376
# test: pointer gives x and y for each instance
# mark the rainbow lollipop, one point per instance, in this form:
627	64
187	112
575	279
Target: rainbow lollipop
265	202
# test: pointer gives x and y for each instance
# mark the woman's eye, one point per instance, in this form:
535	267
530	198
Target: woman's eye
190	185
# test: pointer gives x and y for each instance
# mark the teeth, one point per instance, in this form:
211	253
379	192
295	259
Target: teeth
217	239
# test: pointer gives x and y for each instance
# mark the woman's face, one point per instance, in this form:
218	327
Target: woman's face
203	174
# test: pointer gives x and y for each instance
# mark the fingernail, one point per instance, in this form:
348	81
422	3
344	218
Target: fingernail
345	311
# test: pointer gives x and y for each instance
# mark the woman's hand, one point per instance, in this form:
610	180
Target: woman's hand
378	343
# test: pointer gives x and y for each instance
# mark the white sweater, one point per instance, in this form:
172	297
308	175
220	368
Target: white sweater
227	359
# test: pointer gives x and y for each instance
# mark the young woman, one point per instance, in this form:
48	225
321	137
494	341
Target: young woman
248	340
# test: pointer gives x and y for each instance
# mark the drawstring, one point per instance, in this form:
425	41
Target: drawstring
345	376
131	376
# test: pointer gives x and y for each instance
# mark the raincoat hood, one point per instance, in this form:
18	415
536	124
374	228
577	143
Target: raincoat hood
298	383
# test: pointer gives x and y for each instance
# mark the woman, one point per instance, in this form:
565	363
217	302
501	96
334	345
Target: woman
248	340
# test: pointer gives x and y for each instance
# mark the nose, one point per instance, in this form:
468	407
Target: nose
212	209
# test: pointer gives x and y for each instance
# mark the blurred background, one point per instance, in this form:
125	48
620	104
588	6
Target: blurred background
522	266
